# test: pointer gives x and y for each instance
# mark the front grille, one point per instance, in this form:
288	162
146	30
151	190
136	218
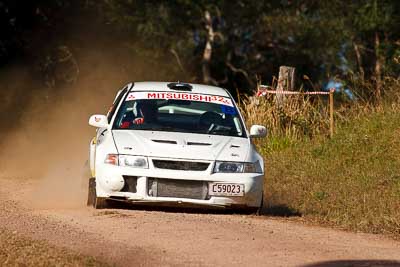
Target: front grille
177	188
130	184
180	165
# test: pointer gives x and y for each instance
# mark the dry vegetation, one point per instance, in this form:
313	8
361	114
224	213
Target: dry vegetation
351	180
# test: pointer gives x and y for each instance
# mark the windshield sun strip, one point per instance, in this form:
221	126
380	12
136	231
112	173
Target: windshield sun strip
177	91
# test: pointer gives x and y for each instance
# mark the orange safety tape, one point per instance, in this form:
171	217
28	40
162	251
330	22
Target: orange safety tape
265	92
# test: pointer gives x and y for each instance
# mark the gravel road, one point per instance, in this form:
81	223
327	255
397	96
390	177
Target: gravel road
129	237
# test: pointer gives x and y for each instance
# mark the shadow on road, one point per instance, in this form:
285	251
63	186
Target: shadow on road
196	209
280	211
355	263
277	210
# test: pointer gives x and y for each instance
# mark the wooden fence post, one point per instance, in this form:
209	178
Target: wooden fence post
286	81
331	91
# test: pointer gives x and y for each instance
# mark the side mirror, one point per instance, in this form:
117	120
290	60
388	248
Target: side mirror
258	131
99	121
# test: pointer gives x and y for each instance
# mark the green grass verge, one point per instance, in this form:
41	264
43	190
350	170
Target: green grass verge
351	180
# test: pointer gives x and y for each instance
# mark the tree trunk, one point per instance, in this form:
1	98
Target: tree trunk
207	53
359	59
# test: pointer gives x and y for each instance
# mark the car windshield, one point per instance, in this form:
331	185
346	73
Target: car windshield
179	112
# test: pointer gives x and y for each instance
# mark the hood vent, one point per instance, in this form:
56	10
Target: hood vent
165	141
197	144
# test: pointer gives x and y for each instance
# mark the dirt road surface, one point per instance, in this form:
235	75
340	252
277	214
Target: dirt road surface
128	237
41	155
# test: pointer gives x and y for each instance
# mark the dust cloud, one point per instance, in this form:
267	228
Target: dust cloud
45	132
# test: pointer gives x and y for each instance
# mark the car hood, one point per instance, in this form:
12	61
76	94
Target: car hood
181	145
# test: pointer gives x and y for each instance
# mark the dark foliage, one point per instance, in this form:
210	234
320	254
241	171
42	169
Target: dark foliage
322	39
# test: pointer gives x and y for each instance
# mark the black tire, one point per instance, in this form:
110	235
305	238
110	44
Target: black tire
93	200
260	209
100	203
91	192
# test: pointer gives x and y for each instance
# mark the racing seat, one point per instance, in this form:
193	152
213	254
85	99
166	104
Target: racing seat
207	119
127	120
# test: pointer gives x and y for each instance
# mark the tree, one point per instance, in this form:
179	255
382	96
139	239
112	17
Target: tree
224	43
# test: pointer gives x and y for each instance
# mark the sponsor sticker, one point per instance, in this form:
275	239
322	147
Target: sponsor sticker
228	110
180	96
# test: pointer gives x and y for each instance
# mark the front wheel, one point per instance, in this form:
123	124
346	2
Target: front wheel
100	203
93	200
258	211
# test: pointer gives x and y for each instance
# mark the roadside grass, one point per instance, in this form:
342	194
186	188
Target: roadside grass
298	117
350	181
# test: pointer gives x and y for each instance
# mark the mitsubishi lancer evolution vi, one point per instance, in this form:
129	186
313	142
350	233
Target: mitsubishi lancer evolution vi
175	144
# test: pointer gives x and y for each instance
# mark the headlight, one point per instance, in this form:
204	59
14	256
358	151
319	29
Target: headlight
228	167
127	161
237	167
133	161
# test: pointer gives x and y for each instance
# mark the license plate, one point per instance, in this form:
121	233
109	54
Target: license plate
225	189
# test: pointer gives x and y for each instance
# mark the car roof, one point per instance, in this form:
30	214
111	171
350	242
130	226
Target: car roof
163	86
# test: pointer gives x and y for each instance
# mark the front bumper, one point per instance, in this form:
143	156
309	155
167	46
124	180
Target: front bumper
137	185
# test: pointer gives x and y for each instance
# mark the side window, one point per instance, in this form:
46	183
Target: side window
114	106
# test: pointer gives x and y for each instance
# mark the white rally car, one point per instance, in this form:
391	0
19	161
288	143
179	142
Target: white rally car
175	144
